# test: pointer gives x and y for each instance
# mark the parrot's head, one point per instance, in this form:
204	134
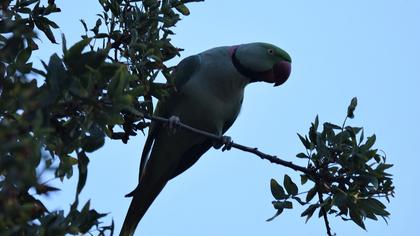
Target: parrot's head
262	62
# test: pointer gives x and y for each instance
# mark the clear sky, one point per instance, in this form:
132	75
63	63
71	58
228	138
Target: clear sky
340	49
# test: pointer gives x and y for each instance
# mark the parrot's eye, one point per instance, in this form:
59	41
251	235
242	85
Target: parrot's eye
270	51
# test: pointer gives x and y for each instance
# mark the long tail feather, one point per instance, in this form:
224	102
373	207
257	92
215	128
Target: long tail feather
142	199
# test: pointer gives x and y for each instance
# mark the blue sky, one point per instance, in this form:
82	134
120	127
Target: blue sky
340	49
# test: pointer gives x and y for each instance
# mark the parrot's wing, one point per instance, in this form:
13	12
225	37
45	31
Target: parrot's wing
230	122
192	155
182	74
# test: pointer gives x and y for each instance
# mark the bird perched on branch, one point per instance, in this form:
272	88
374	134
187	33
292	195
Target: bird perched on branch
209	94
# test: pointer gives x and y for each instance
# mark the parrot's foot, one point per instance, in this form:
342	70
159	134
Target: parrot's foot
225	143
173	124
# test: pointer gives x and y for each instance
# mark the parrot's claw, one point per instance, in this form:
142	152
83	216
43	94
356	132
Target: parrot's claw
228	142
173	124
225	143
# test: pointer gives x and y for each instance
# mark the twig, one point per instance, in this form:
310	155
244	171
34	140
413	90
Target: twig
324	212
271	158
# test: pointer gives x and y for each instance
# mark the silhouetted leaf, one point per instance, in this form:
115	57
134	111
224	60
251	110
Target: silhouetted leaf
276	190
182	9
43	24
340	199
84	24
95	141
312	192
290	187
83	162
305	141
24	55
303	179
309	211
351	108
279	211
357	218
302	155
283	204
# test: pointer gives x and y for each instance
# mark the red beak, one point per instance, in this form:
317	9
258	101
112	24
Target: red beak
281	72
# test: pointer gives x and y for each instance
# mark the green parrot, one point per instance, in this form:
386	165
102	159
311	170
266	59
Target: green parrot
209	94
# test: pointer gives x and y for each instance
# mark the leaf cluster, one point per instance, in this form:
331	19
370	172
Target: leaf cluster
349	176
138	36
51	118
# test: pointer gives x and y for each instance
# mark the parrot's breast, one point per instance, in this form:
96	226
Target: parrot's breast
213	96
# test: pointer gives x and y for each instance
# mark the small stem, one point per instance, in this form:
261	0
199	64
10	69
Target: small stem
344	123
324	212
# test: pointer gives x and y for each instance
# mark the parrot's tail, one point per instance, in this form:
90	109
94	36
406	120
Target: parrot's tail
142	199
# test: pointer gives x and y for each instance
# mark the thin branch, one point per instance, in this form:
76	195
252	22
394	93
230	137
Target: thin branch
324	213
271	158
188	1
344	123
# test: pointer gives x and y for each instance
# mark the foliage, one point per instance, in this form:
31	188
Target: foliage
51	125
348	175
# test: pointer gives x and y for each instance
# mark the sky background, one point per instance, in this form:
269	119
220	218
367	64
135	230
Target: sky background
340	49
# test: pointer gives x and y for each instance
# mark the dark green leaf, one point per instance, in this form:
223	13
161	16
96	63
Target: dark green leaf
56	76
362	136
84	24
32	44
351	108
43	24
305	141
95	141
290	187
302	155
276	190
282	204
95	29
381	167
312	192
24	55
101	35
45	189
376	206
26	3
303	179
279	211
369	143
82	165
332	126
340	199
118	83
313	135
64	42
288	204
309	211
182	9
51	23
357	218
316	123
25	68
75	51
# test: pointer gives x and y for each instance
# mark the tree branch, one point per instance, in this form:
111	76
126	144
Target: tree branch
271	158
324	212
